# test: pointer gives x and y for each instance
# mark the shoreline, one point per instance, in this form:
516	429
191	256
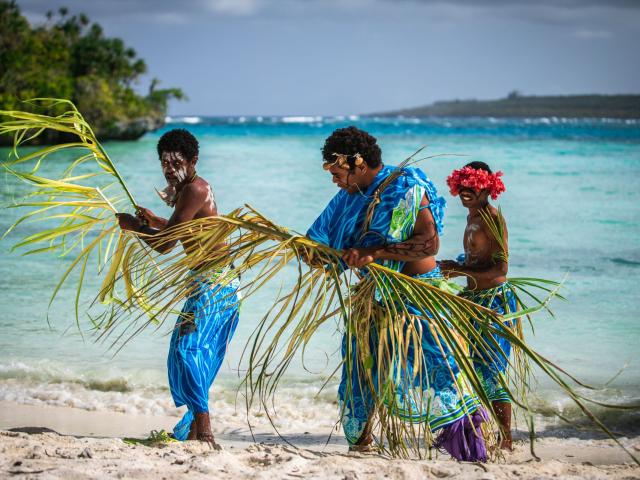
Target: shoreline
88	444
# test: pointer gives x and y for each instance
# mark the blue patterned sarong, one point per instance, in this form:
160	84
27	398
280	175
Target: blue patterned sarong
427	395
198	345
340	223
493	362
340	226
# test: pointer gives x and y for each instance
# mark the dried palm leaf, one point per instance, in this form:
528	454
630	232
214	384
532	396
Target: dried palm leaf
141	288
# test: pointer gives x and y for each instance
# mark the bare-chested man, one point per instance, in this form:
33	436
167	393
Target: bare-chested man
210	314
485	264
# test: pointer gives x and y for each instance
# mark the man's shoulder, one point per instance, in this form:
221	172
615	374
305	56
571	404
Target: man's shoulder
412	176
201	182
198	187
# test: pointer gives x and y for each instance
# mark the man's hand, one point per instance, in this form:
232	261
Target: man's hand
129	222
451	268
150	218
359	257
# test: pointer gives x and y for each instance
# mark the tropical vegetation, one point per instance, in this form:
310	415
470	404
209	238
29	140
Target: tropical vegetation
71	57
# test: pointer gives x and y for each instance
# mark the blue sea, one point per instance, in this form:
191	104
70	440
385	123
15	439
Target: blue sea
572	206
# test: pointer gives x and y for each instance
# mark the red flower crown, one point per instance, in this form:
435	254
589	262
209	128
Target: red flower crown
477	180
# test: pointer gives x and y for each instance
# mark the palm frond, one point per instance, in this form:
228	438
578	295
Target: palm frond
374	303
498	229
142	289
74	211
25	127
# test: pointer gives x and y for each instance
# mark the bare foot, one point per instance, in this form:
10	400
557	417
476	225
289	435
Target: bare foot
370	448
204	433
365	442
503	412
506	444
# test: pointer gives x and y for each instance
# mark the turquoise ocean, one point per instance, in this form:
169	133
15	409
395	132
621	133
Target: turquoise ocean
572	206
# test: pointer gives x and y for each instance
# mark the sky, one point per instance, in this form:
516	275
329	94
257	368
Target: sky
342	57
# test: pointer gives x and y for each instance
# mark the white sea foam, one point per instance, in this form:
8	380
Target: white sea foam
185	119
299	406
301	119
191	120
299	403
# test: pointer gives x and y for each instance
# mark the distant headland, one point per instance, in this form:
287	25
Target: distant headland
518	105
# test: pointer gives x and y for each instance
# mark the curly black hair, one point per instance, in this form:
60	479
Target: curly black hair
349	141
178	140
479	166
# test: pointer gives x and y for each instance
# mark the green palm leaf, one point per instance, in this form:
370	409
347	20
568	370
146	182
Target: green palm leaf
142	289
75	217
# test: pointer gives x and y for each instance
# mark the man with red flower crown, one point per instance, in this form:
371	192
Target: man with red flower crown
485	264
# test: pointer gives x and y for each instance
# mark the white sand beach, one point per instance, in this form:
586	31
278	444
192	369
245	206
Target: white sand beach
89	444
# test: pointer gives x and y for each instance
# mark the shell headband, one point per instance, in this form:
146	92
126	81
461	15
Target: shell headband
476	179
343	161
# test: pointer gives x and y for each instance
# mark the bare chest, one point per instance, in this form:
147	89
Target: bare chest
477	246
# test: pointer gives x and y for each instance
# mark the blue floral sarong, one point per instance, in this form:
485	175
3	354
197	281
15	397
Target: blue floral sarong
493	362
198	345
340	223
340	226
430	395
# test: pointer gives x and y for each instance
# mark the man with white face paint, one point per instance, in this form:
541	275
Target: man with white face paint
210	314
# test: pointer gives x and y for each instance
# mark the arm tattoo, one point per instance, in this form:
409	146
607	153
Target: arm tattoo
417	247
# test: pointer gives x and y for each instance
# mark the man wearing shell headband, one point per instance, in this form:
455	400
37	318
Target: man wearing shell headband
485	264
393	216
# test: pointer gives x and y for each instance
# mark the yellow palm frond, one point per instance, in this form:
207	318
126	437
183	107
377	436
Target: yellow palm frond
142	289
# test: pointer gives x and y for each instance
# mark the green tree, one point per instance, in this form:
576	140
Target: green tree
70	57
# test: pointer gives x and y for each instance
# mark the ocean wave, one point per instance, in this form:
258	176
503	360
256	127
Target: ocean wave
106	379
300	402
301	119
493	122
76	395
297	406
544	127
555	410
625	261
191	120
